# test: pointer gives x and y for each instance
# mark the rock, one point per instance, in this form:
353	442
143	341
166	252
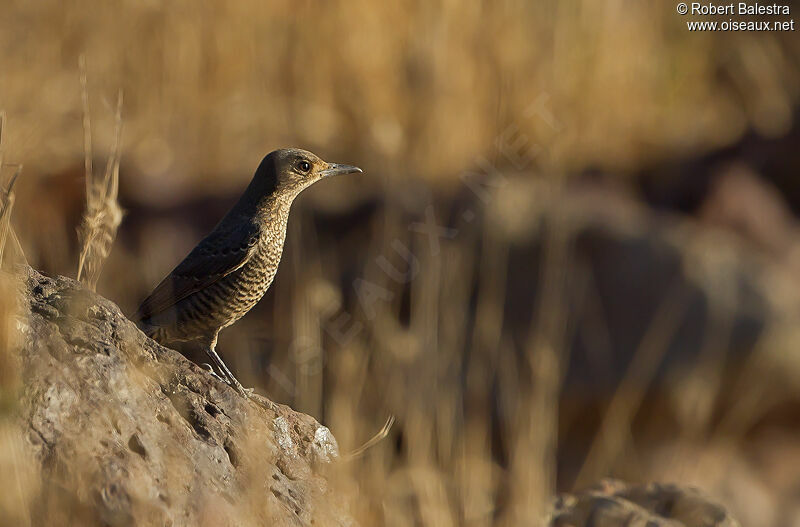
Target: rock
123	431
127	432
615	504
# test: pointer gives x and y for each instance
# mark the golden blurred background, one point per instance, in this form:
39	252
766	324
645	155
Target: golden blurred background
573	252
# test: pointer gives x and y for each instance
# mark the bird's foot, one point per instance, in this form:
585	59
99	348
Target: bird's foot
232	382
227	376
244	392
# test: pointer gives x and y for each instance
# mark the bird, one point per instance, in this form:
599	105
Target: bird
230	269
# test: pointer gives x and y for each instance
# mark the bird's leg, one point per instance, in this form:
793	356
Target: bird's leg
227	373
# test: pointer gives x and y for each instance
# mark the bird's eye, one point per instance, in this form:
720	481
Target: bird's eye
304	166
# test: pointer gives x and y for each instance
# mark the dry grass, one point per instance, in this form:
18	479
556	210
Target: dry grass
16	462
7	198
103	213
409	89
478	436
373	320
19	468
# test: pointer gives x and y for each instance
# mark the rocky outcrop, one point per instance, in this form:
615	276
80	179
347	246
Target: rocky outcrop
128	432
125	432
612	503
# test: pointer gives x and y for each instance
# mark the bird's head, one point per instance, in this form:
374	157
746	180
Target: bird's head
290	170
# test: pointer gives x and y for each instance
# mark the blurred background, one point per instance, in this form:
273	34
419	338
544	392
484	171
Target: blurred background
574	252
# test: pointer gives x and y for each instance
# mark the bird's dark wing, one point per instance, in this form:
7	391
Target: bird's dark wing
220	253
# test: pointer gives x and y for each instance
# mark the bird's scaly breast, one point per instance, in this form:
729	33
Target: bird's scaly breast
245	286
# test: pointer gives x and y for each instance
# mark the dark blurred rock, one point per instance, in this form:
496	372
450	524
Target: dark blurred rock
615	504
131	433
683	182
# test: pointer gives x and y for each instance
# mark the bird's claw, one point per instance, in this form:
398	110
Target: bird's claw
226	376
244	392
232	382
208	367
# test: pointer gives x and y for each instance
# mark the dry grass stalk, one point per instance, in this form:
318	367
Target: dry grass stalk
7	199
374	440
15	463
9	367
614	432
6	206
103	213
10	381
533	468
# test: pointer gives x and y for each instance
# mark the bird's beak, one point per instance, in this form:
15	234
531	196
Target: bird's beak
335	169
